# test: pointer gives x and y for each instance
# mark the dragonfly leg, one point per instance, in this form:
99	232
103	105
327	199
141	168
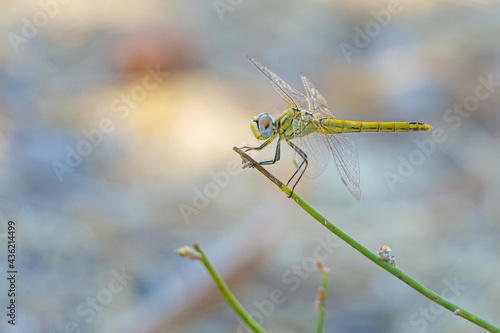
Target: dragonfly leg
262	146
276	155
304	157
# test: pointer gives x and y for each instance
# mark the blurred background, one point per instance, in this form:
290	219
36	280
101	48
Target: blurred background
117	122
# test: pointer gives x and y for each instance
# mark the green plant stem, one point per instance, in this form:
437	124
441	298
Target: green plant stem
370	255
226	292
321	310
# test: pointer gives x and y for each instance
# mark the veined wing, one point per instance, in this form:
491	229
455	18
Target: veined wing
345	155
343	149
293	97
318	146
318	155
317	103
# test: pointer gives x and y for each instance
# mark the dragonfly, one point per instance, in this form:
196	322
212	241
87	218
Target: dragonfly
309	127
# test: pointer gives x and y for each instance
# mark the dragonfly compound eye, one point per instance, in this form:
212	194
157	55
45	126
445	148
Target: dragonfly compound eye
266	126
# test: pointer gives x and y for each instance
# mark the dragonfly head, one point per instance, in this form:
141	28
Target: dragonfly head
262	126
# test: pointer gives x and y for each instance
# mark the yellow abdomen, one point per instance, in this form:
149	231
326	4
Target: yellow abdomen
349	126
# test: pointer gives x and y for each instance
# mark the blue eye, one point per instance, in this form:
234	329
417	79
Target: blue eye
266	126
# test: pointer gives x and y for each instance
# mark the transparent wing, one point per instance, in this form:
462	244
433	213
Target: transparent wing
316	102
312	138
345	155
318	155
293	97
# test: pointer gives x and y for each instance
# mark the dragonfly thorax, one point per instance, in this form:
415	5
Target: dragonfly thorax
262	126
